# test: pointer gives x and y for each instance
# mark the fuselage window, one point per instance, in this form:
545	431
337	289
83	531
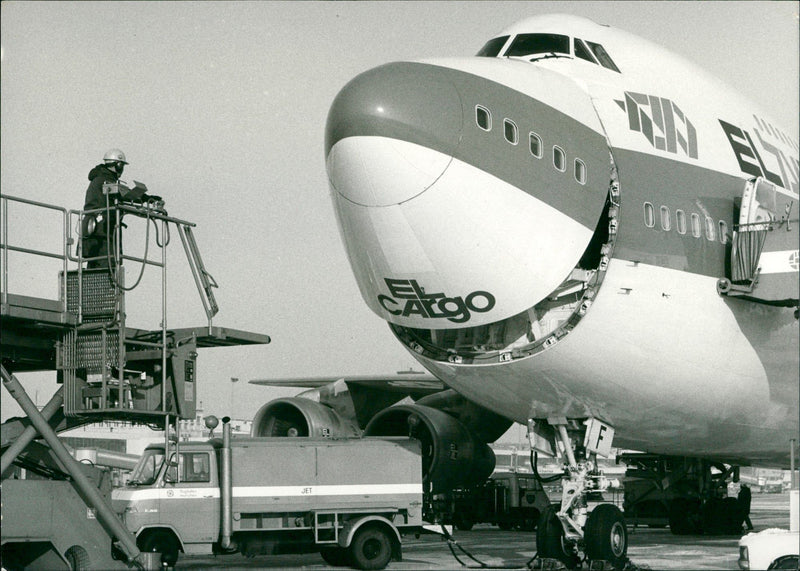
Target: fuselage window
559	159
665	221
711	231
483	117
510	131
602	56
493	47
532	44
536	145
582	51
680	217
723	232
649	215
695	225
580	171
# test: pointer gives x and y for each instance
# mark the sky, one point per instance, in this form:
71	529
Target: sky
221	109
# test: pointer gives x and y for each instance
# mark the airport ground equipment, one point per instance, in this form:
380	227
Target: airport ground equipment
107	369
689	494
508	499
350	499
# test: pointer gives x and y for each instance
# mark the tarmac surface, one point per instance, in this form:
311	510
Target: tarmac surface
648	548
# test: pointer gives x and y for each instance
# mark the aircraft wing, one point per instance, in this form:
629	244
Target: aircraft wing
387	383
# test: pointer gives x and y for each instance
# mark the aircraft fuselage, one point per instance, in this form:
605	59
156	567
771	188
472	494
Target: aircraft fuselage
545	232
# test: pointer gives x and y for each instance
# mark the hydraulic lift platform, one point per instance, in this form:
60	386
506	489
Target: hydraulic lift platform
106	371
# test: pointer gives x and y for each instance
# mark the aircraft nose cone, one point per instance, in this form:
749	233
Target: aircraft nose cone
391	133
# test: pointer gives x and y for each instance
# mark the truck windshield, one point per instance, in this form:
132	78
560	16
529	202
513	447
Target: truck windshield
148	467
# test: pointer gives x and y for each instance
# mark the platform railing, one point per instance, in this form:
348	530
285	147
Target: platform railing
6	246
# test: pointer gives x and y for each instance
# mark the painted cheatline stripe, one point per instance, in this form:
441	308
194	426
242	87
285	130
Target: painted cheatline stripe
332	490
269	491
781	262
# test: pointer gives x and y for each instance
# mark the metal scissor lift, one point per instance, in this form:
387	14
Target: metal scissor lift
108	370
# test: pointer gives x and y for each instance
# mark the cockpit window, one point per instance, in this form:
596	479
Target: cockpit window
532	44
603	57
582	51
493	47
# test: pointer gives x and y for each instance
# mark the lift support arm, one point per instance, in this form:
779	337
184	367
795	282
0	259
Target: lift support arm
85	486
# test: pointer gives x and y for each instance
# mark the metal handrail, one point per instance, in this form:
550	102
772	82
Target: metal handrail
6	247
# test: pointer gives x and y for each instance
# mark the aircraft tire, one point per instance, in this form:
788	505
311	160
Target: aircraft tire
550	542
606	536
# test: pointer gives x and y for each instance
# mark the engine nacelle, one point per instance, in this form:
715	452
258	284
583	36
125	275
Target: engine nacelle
295	416
452	456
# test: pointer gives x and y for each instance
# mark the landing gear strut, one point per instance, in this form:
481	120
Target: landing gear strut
570	533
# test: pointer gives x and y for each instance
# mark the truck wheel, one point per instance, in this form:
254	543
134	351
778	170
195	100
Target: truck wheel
78	558
605	535
463	522
371	548
684	516
529	519
550	542
164	543
786	562
335	556
506	524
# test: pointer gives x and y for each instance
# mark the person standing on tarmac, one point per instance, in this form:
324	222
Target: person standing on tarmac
744	500
98	229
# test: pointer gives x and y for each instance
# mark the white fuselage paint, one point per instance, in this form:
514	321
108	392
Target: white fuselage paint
464	202
641	359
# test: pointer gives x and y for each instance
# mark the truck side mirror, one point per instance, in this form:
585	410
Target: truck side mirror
171	473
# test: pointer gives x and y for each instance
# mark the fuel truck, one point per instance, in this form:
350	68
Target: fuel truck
352	500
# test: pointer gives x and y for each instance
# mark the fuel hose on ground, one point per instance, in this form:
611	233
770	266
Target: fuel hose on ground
452	544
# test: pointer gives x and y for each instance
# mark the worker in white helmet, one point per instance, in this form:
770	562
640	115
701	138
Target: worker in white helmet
98	228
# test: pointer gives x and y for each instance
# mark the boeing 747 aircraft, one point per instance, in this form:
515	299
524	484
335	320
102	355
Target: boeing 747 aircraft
582	232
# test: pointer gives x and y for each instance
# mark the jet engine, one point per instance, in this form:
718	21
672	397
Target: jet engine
298	416
452	456
453	431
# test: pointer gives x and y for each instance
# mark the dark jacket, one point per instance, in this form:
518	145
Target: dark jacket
95	198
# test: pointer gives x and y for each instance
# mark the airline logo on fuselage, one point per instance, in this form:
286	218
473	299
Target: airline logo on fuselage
406	298
751	159
661	121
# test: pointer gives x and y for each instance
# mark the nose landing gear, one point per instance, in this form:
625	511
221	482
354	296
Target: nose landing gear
570	533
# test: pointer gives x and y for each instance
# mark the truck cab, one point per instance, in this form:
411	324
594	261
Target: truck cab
173	505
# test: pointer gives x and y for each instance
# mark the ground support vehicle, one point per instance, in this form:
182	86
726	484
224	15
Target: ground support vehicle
689	494
774	548
508	499
47	525
350	499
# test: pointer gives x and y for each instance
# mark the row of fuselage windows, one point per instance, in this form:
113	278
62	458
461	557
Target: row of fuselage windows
712	229
483	117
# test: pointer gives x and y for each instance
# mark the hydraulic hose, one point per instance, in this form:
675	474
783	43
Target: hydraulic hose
534	460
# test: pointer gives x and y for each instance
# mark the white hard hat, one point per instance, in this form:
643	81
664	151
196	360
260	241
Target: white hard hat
114	156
